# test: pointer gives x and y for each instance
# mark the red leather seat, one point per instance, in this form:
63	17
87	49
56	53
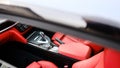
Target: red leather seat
109	58
42	64
91	62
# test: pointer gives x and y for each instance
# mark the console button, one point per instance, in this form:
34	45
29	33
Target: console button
21	27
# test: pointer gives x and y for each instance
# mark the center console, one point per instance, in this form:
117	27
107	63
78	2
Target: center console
67	45
33	44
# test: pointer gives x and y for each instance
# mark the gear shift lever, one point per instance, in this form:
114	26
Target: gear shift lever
39	39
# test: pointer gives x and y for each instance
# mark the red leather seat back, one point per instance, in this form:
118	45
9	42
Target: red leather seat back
111	58
92	62
95	47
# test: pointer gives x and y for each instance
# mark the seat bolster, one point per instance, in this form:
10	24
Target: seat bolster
47	64
34	65
89	63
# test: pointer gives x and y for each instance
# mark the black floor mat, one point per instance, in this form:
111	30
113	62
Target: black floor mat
16	56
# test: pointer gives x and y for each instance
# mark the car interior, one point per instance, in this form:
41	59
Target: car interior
25	46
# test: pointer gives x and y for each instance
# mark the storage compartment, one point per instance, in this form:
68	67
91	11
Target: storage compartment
21	55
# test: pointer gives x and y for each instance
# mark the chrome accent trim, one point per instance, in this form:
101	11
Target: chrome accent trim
6	65
30	35
9	27
34	45
2	20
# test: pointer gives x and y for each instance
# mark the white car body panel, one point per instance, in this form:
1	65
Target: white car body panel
69	11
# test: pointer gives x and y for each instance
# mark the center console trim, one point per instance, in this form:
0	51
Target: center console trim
6	65
34	45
